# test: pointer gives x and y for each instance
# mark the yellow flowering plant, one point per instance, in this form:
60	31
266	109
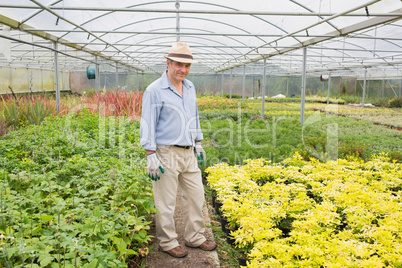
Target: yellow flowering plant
344	213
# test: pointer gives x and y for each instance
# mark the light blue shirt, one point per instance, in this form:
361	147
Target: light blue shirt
168	118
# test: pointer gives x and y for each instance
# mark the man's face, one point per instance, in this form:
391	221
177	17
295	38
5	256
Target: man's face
178	71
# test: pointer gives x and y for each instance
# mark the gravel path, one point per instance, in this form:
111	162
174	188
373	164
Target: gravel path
196	258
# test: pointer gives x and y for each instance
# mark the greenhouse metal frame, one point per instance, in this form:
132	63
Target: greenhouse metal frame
358	38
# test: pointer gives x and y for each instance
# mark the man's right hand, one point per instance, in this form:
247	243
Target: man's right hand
154	167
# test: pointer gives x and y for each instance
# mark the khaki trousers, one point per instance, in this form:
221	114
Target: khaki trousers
181	169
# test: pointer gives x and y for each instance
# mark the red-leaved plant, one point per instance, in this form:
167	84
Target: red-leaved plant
115	103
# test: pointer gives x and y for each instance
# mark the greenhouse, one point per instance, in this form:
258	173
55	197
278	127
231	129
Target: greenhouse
299	102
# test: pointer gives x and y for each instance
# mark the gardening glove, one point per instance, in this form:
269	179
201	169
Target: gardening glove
154	167
201	156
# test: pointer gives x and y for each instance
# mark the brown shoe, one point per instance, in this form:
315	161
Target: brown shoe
207	245
177	252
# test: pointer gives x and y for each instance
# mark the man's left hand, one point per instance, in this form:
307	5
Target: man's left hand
201	156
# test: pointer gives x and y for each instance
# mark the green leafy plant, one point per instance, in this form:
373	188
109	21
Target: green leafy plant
74	193
395	103
28	110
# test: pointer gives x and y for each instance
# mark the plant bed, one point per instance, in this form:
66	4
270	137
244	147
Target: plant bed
72	195
228	255
279	222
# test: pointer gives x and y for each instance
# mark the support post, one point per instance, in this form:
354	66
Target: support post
329	87
252	83
117	75
177	21
142	81
244	83
400	88
303	87
364	86
287	87
267	88
222	83
323	84
97	73
129	81
138	82
231	84
216	83
56	70
264	75
383	88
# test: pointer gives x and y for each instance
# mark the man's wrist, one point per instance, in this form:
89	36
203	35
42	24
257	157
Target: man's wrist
148	152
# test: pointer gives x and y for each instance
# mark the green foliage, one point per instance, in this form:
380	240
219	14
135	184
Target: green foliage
395	155
376	101
36	112
3	128
232	135
73	193
233	140
11	114
312	99
353	148
26	110
234	96
216	102
395	103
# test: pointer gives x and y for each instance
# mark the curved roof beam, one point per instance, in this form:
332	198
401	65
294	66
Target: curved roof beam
152	51
197	2
387	40
361	48
39	11
353	28
83	29
42	46
218	22
343	51
215	21
37	48
234	12
311	11
160	37
137	50
313	59
199	43
272	24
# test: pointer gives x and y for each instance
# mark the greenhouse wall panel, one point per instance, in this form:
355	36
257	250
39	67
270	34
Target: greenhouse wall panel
23	80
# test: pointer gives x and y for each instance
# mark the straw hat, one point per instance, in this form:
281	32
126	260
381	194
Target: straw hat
180	52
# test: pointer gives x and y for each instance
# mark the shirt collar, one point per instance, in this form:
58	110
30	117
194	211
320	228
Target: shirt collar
166	84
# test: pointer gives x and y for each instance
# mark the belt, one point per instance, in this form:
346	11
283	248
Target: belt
184	147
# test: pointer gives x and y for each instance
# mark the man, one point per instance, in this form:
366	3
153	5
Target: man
171	136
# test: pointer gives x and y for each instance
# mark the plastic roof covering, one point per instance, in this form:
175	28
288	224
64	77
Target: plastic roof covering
341	36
